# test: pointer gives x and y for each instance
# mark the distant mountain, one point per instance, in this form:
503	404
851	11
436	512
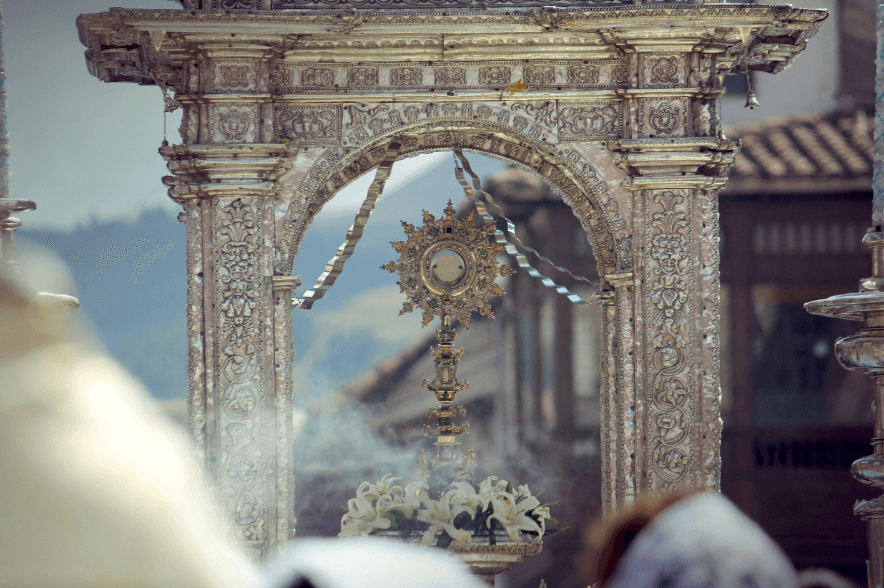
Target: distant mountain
130	277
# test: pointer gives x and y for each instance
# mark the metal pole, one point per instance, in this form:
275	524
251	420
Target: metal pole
4	126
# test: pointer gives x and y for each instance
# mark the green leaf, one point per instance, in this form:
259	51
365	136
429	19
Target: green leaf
509	487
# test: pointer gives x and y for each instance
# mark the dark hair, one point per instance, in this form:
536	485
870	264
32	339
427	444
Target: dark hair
608	539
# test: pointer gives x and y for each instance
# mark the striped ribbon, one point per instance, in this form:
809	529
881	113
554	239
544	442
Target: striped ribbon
335	265
479	198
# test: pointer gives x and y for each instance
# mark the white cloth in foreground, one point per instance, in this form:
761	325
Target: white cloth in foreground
97	489
367	563
703	541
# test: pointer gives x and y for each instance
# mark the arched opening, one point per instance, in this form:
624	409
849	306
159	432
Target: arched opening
535	370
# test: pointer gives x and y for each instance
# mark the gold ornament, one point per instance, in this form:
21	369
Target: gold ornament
448	267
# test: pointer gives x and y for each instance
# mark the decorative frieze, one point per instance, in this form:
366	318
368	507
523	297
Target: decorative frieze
296	77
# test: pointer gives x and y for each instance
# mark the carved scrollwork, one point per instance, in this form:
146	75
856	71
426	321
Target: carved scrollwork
662	118
238	320
669	262
234	124
545	113
359	115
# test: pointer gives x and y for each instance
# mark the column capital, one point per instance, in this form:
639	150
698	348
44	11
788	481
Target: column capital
648	158
210	171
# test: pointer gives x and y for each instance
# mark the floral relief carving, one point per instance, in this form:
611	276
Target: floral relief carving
583	121
663	71
280	76
308	125
451	76
359	115
406	76
540	74
321	77
494	75
669	400
237	235
583	74
362	76
234	76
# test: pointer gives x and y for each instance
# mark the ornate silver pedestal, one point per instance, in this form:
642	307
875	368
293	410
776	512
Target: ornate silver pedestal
865	352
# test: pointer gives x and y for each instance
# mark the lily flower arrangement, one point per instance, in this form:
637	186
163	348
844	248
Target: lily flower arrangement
444	518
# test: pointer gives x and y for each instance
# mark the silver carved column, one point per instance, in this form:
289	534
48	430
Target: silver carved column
865	350
239	327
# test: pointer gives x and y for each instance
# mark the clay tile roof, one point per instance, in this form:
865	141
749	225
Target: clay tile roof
830	151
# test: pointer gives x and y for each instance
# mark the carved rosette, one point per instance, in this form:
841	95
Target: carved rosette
662	71
239	409
234	76
670	338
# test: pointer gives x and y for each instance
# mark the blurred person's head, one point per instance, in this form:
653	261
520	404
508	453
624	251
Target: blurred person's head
366	563
684	541
98	489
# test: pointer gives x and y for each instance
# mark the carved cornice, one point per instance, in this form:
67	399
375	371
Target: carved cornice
706	156
211	171
142	45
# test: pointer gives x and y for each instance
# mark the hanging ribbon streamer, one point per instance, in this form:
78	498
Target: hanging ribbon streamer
501	238
335	265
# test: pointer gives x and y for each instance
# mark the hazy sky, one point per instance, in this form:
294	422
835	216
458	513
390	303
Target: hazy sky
80	148
83	149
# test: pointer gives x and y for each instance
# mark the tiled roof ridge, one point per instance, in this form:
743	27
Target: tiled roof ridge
836	145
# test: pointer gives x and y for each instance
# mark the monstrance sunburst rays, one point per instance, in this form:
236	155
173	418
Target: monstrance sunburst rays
447	266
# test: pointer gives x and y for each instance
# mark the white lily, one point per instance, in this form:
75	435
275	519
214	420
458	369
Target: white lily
437	513
514	517
464	498
410	499
362	519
